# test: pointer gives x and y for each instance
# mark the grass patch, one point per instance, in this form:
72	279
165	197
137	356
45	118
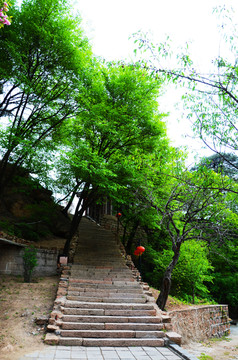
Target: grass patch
205	357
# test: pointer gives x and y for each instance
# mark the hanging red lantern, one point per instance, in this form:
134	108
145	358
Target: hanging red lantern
139	250
118	215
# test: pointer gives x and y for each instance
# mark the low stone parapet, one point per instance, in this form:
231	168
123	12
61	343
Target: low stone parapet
11	259
200	323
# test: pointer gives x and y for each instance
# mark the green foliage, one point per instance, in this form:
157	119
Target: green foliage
30	231
29	262
193	271
7	226
43	64
108	147
223	163
191	275
203	356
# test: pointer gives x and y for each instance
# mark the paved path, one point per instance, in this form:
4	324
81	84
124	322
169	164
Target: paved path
102	353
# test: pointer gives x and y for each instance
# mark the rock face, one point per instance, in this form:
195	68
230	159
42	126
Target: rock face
28	210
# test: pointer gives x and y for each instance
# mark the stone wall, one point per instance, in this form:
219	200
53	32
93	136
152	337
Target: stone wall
201	323
11	260
110	222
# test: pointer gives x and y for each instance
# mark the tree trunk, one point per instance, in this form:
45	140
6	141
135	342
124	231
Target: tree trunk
74	225
66	208
166	282
124	235
193	293
86	198
3	170
131	236
7	171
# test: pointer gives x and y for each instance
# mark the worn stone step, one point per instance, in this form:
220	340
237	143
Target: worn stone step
81	273
106	304
110	342
111	334
107	294
101	269
140	300
112	269
81	289
111	326
112	319
99	259
102	284
108	312
94	305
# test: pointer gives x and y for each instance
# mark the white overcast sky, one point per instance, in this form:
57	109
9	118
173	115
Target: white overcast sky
109	23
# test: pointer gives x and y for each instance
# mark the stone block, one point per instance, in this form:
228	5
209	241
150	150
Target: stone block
51	339
52	328
42	320
174	337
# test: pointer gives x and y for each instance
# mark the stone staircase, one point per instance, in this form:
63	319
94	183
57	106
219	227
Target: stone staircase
100	301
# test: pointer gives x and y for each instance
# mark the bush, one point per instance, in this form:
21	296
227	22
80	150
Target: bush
30	262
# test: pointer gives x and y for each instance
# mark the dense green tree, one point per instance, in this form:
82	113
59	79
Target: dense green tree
195	209
44	67
192	273
104	146
223	163
210	101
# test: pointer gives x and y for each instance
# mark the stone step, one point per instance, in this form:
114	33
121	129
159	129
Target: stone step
139	300
107	294
105	290
94	305
102	284
99	281
98	259
111	334
103	304
111	326
108	312
104	278
112	319
111	342
87	268
101	272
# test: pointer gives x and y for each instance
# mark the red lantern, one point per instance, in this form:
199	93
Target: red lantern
139	250
118	215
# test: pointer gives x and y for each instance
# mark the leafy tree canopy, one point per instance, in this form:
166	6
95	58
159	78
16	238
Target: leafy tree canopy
45	64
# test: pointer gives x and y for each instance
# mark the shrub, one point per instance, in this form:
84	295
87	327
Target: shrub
30	262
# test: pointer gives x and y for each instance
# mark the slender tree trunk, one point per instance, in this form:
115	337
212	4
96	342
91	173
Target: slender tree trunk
131	236
74	224
3	170
193	293
166	282
66	208
84	201
124	235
